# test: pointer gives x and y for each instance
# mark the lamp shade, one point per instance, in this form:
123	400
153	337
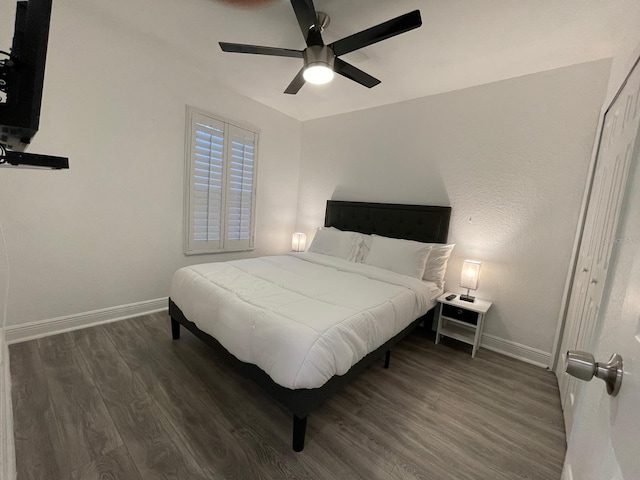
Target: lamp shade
470	274
299	242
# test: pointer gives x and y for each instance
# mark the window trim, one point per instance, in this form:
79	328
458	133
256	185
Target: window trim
188	166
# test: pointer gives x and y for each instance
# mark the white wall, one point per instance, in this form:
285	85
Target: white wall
109	231
510	157
626	56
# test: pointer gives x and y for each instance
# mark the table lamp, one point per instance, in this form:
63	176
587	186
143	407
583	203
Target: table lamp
299	242
469	278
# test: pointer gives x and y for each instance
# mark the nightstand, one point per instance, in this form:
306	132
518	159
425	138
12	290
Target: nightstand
461	320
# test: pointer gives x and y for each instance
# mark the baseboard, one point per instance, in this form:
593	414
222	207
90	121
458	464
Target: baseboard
516	350
43	328
7	446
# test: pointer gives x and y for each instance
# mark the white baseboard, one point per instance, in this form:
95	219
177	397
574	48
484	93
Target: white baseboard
7	446
43	328
516	350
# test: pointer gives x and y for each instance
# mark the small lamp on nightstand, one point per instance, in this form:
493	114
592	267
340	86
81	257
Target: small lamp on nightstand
469	278
299	242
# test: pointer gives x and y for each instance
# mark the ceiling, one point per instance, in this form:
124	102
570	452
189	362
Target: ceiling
462	43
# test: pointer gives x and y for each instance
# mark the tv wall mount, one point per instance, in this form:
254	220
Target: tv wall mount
17	159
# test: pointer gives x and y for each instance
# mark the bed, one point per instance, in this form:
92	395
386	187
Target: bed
304	325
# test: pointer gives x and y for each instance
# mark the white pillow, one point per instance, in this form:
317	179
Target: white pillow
334	242
400	256
436	265
364	243
365	248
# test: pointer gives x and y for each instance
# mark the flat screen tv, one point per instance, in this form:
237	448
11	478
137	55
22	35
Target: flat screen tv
22	74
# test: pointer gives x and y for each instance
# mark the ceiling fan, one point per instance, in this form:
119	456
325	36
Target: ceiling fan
320	60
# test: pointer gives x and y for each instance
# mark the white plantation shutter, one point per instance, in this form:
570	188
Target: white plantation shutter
240	187
207	182
221	161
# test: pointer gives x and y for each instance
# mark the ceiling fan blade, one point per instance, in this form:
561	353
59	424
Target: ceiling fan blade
258	50
308	21
352	73
296	84
372	35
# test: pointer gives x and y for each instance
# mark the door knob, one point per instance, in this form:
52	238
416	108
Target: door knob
582	365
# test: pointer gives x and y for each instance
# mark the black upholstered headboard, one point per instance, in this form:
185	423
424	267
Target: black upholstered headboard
422	223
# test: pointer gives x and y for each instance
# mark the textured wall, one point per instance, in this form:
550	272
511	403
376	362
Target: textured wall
109	231
510	157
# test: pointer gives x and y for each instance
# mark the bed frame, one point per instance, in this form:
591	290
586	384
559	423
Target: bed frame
413	222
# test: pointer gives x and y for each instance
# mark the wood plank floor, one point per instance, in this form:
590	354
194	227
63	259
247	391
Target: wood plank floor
124	401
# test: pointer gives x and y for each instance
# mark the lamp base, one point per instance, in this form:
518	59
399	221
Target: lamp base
467	298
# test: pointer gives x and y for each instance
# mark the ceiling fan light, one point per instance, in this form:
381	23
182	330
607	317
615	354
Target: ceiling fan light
318	73
318	64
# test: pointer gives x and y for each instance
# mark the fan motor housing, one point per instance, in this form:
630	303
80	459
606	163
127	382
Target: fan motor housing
318	55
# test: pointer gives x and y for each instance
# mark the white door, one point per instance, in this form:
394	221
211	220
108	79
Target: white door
605	440
615	152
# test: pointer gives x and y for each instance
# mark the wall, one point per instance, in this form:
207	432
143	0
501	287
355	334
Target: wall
109	231
510	157
626	56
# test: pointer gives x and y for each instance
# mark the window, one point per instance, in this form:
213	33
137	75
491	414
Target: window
221	171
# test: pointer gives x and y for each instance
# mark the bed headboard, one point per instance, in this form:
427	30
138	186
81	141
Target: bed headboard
422	223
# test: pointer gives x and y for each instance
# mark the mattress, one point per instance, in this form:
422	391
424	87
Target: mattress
302	318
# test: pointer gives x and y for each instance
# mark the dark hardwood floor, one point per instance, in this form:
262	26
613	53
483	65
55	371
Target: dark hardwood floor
124	401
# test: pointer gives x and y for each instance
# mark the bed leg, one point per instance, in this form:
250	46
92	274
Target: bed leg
387	359
299	429
175	329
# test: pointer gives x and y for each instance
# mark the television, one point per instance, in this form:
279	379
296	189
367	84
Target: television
21	82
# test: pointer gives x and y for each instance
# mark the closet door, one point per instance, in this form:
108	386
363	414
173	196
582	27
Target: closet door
615	151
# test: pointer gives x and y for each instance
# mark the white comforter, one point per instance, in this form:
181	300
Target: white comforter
301	318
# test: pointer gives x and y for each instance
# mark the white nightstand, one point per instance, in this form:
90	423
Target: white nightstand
461	320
